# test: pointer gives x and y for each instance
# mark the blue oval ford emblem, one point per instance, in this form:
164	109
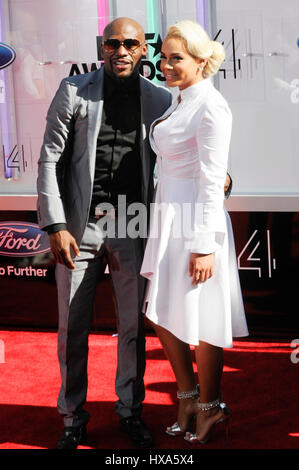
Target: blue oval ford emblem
22	239
7	55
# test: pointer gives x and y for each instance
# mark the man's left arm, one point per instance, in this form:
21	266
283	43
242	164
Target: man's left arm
50	207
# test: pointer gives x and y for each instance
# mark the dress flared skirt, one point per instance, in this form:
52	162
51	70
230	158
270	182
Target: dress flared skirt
212	311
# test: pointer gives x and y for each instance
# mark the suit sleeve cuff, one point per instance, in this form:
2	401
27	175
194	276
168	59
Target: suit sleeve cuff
55	228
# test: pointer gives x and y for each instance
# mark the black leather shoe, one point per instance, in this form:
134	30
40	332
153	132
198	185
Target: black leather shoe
137	430
72	437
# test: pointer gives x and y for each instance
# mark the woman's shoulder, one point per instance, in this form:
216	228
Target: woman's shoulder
215	104
215	98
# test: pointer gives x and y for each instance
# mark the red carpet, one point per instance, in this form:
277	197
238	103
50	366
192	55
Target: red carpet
260	385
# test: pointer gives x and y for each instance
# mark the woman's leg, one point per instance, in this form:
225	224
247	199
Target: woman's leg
209	361
179	356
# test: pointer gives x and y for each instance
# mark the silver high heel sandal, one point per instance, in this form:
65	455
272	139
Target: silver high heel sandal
221	417
175	430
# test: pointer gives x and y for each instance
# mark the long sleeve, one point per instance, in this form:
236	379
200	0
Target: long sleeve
53	152
213	139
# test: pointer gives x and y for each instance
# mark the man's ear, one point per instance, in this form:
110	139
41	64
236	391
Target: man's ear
144	49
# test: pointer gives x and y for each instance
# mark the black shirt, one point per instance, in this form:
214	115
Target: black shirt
118	164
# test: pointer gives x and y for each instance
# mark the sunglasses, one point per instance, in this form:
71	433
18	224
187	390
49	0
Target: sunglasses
112	45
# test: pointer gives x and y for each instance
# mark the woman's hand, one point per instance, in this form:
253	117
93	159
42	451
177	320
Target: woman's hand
201	267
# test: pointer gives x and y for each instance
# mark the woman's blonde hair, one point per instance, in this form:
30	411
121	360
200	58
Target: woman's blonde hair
198	44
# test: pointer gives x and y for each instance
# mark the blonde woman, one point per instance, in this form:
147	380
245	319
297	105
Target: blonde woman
194	296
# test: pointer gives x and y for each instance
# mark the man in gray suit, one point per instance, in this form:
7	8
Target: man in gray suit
96	149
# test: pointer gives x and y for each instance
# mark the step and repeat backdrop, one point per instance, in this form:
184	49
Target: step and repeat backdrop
42	42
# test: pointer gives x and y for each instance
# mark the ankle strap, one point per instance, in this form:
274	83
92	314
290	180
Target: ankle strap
190	394
208	406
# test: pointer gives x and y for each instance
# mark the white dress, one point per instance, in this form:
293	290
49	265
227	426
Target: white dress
191	141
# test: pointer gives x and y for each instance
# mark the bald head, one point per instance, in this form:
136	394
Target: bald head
120	24
121	61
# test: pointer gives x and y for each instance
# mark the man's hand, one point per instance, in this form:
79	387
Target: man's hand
61	244
227	182
201	267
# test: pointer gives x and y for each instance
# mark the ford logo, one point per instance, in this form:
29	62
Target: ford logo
7	55
22	239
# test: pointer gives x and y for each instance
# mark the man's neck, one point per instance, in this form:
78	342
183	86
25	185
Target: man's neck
123	82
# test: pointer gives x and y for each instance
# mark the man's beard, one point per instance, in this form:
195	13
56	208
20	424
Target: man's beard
134	74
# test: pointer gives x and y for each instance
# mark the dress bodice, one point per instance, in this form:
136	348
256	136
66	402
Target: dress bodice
174	136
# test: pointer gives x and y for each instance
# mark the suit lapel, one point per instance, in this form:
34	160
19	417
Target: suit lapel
95	109
146	102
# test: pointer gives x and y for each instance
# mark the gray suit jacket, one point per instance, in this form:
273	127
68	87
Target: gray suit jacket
67	161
